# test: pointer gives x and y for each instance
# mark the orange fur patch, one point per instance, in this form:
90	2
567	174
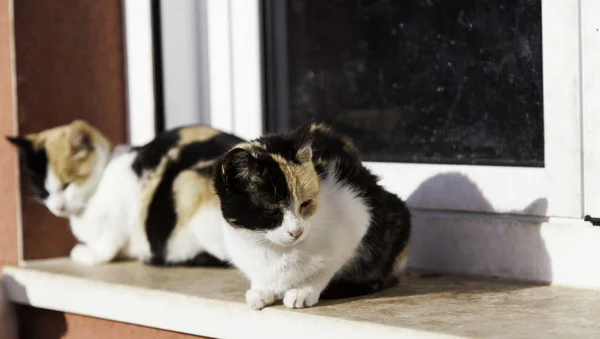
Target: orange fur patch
71	150
191	190
191	134
303	183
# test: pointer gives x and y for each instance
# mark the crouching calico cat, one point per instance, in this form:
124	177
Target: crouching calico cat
154	203
307	220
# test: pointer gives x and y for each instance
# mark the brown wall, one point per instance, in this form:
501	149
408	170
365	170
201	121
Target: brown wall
70	64
44	324
9	200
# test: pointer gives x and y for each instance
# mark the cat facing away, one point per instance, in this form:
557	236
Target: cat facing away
306	220
155	203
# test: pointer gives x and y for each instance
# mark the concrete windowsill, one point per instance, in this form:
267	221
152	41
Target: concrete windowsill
209	302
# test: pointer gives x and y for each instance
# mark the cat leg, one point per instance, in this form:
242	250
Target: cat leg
101	251
308	294
259	297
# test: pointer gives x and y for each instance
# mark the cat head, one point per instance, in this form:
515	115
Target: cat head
64	165
269	186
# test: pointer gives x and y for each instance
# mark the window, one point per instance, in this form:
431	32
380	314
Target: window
470	106
412	81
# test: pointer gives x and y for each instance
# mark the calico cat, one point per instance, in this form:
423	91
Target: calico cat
154	203
305	219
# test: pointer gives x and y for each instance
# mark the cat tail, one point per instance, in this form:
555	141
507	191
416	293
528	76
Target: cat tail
202	259
350	289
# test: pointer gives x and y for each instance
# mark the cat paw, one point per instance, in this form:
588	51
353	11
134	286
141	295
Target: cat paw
84	255
300	298
258	299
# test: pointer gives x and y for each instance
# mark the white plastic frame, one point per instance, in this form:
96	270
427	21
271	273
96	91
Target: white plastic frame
590	63
234	59
140	71
184	55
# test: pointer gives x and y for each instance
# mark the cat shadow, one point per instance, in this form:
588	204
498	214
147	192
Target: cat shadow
448	245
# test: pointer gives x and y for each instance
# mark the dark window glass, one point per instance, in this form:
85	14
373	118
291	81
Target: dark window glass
430	81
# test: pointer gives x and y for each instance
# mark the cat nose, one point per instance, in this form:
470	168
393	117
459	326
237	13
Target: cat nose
295	233
61	208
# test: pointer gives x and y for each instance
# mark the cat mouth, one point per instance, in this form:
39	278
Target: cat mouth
289	241
60	214
70	212
75	211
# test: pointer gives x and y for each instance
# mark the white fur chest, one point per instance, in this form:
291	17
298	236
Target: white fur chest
336	230
111	215
273	268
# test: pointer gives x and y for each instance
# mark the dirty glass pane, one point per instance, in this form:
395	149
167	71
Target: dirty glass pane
428	81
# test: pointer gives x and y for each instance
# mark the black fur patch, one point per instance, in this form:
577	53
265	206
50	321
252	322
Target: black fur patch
34	163
202	259
389	231
150	155
347	289
255	202
162	218
205	259
287	145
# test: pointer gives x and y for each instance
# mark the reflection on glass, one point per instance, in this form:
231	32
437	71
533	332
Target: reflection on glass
431	81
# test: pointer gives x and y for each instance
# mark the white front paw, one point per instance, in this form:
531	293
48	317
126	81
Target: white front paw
301	297
258	299
84	255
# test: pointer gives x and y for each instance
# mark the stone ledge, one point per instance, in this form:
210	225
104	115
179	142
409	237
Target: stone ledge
209	302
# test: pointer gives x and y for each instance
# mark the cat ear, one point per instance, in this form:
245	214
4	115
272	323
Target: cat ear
81	144
20	142
25	147
304	154
302	136
302	142
237	163
81	140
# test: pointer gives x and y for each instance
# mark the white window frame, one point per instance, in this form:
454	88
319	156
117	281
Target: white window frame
515	190
137	18
590	65
184	56
234	59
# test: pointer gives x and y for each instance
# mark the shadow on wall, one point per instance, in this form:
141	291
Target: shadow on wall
476	244
33	322
8	319
468	244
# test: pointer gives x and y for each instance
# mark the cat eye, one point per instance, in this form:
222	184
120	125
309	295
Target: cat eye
65	185
269	212
306	203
